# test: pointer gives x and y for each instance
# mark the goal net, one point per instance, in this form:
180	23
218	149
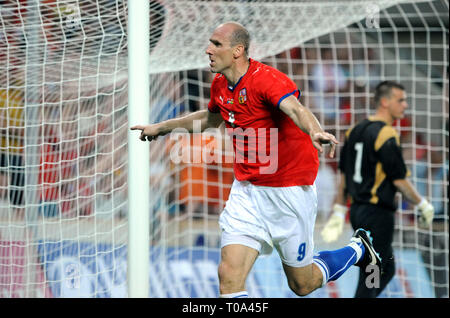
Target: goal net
64	126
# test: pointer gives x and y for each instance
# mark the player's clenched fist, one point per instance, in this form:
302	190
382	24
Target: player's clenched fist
148	132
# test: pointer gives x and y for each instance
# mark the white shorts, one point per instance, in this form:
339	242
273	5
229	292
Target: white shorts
266	217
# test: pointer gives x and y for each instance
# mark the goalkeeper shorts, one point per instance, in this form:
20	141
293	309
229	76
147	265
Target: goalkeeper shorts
266	217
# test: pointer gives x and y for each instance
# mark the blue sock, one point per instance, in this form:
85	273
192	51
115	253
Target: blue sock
333	264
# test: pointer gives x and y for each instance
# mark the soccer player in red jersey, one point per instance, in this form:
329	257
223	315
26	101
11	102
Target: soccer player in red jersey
273	200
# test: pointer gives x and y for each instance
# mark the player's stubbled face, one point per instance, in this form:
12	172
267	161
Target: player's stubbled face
398	103
219	51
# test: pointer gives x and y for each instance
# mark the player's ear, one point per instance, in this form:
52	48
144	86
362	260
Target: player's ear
384	102
238	51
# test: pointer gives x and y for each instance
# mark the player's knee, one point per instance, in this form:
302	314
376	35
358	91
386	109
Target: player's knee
300	288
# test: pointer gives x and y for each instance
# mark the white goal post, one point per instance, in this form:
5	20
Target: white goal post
78	190
138	154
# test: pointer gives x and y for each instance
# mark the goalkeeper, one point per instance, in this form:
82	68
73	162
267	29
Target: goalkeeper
372	171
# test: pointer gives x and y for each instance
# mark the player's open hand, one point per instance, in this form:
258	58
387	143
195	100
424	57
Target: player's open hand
148	132
324	138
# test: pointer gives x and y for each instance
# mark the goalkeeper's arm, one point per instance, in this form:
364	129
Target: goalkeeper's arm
425	208
335	225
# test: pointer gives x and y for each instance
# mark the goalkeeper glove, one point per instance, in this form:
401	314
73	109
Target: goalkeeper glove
426	213
335	225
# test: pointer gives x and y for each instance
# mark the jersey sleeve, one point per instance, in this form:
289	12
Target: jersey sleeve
344	151
212	105
342	157
387	146
275	86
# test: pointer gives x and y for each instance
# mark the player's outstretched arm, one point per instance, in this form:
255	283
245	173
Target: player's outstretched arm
204	118
307	122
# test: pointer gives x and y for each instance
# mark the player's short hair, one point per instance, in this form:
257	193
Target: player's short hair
240	35
384	89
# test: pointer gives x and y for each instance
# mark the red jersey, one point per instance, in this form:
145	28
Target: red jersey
270	149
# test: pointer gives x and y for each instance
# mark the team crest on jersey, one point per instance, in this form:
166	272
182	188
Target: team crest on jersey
242	96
